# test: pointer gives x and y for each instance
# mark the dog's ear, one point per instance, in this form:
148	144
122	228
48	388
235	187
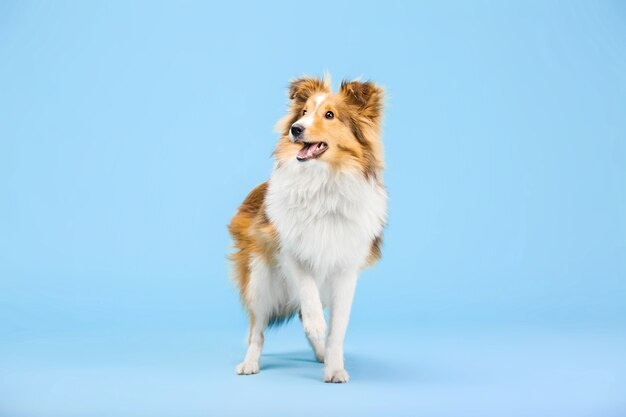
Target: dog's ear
365	96
301	89
299	92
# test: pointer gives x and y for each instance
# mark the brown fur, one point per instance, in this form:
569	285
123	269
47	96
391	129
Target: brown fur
355	131
252	234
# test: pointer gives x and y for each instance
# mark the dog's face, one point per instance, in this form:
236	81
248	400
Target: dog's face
339	129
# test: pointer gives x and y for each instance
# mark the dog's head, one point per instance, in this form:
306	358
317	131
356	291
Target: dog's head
340	129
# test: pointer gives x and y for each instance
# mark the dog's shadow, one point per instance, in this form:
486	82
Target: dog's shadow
295	363
302	364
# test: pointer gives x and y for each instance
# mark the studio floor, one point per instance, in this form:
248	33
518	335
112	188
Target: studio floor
395	372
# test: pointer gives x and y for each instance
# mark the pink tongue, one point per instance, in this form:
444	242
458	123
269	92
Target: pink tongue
307	151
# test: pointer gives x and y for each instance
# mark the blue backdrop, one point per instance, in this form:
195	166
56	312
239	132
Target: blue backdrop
130	132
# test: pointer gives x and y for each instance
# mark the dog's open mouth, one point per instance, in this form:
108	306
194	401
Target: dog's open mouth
311	150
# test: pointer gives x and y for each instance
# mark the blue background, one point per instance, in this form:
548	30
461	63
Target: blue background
130	132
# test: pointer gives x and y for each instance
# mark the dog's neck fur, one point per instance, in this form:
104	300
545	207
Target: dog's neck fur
326	219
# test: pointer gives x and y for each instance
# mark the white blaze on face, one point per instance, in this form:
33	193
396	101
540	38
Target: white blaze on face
307	120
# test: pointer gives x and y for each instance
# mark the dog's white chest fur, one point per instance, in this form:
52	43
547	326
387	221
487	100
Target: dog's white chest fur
325	220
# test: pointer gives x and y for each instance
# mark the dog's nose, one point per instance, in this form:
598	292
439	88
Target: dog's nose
296	130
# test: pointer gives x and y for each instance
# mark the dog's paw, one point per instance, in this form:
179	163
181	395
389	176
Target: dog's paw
247	368
319	355
336	375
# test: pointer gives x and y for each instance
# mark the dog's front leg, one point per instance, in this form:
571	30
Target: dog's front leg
311	309
340	305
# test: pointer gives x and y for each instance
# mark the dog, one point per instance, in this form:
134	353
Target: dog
302	237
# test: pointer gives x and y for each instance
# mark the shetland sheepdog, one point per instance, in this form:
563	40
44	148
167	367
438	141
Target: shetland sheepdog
302	237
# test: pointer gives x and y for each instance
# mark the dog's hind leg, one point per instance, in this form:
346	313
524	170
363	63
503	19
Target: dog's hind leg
260	300
251	363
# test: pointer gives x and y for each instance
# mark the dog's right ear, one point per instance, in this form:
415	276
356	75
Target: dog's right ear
301	89
299	92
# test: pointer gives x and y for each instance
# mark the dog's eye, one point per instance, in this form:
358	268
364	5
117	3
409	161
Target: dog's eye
303	112
330	115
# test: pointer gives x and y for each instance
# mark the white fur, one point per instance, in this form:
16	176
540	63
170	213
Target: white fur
326	222
311	308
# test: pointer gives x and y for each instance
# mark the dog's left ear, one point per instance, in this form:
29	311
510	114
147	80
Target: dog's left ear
365	96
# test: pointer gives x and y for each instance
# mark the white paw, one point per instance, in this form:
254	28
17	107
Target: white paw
336	375
319	354
247	368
